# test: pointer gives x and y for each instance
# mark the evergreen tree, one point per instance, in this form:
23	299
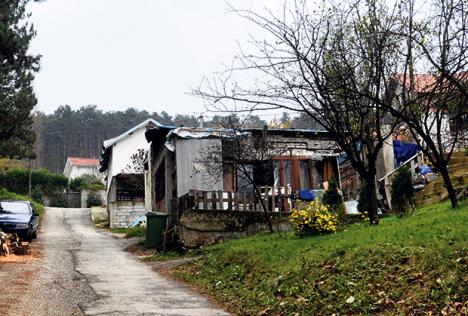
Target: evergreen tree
402	191
334	200
17	68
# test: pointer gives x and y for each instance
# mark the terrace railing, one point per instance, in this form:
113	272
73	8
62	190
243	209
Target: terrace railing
272	199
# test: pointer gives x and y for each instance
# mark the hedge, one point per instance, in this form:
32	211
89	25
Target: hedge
42	181
7	195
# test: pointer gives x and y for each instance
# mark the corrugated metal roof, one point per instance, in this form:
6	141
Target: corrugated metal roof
107	144
111	142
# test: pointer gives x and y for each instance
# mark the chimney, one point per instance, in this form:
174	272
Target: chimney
200	120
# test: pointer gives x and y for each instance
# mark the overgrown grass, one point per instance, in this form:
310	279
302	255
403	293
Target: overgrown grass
169	255
411	265
7	195
137	231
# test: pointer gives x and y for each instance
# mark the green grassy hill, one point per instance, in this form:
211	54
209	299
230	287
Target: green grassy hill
435	191
412	265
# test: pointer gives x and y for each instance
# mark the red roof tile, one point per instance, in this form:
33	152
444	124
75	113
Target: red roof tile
78	161
425	82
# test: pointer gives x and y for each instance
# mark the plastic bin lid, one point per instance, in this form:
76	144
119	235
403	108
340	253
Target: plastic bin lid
154	214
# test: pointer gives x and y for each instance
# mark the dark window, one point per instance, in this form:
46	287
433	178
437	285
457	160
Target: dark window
263	173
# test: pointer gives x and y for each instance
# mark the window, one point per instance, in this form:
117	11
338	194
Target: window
243	182
263	173
287	172
304	171
296	172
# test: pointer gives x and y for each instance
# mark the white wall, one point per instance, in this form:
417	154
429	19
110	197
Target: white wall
67	169
444	127
122	151
187	151
77	171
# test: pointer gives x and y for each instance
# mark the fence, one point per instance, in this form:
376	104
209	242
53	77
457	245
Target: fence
272	199
74	199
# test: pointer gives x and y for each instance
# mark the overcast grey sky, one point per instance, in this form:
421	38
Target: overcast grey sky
141	53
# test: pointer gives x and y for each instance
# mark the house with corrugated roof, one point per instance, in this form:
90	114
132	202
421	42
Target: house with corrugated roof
122	164
78	166
219	183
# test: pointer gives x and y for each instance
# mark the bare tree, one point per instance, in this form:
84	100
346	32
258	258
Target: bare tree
138	162
330	63
437	44
238	154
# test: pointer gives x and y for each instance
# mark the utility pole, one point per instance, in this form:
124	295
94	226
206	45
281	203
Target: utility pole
30	178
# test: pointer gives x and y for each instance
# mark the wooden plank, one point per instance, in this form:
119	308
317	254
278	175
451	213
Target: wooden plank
265	200
221	200
196	200
236	198
229	201
213	200
252	205
205	200
244	201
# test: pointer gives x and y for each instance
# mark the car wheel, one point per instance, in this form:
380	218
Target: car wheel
34	235
29	237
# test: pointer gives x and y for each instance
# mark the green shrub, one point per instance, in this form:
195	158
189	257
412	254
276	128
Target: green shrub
7	195
87	182
334	200
17	180
75	184
94	199
37	194
59	199
402	191
314	218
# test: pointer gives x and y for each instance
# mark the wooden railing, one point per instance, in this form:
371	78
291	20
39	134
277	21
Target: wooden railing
272	199
385	182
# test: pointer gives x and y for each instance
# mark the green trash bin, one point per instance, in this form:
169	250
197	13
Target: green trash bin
155	225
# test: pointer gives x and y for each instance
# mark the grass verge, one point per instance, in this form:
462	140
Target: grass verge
170	255
137	231
411	265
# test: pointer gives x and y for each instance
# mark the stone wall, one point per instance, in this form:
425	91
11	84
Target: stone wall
198	228
121	214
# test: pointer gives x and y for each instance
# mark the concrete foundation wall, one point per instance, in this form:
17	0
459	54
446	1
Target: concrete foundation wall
198	228
121	214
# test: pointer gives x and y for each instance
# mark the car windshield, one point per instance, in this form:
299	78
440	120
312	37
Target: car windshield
14	207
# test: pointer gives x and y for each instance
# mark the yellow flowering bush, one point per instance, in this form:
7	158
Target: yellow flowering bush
313	218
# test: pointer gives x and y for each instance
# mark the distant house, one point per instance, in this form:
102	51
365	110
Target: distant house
78	166
435	119
122	162
307	162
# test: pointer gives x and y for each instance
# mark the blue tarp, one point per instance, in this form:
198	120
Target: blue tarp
307	195
404	151
425	169
310	195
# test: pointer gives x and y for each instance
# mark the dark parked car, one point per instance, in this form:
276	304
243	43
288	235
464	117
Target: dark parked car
19	217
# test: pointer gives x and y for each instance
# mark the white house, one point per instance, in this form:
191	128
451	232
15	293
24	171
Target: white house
122	162
78	166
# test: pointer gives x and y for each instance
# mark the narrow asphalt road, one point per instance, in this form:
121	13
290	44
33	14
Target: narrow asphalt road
85	271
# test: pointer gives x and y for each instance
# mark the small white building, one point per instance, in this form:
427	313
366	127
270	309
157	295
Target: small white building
122	160
78	166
